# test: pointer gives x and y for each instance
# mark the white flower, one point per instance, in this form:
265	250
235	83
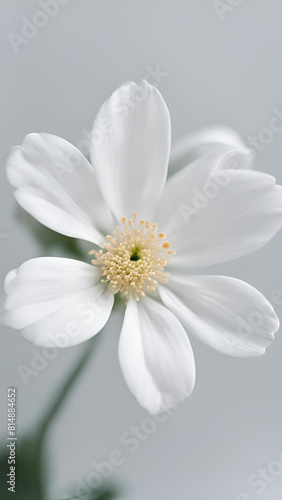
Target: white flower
207	212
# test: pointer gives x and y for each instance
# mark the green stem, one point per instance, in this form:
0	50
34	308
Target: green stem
59	400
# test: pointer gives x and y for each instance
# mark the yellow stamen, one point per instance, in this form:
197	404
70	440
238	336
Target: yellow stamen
130	258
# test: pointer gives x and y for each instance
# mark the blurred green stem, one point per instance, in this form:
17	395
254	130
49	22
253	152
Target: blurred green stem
59	400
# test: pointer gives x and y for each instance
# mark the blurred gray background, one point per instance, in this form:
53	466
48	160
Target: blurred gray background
219	71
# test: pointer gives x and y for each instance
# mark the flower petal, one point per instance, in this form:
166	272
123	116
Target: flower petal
56	302
131	146
203	141
56	184
212	215
225	313
155	355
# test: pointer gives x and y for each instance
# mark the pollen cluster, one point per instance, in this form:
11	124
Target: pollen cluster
133	259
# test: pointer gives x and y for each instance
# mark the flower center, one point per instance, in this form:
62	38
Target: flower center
136	254
133	258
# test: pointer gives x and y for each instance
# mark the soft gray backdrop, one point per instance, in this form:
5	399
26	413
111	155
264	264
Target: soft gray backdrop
219	72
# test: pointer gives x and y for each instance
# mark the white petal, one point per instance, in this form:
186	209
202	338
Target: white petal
155	355
203	141
212	215
55	301
56	184
131	145
10	279
225	313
